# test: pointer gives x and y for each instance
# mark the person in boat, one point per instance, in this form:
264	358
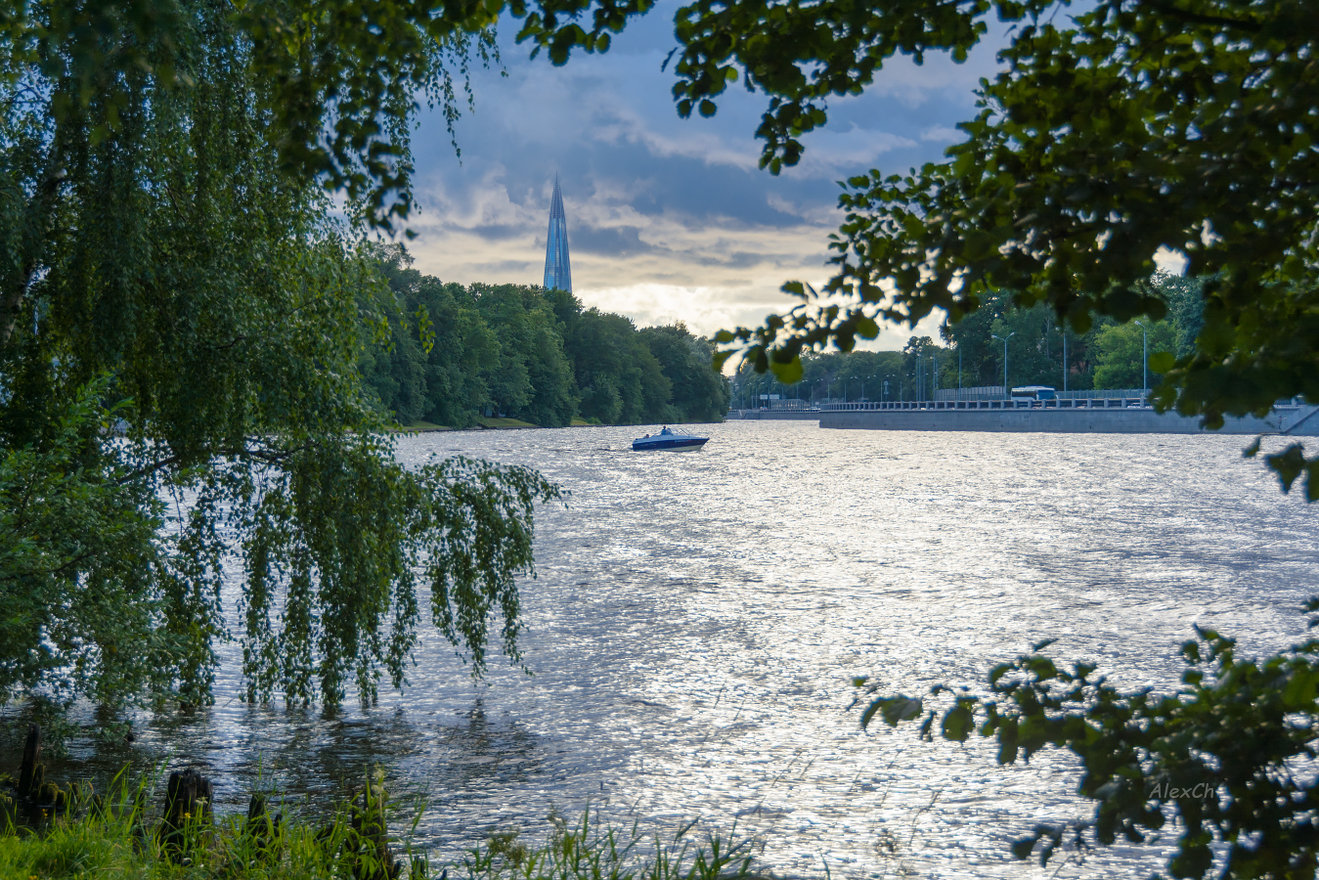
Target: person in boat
665	430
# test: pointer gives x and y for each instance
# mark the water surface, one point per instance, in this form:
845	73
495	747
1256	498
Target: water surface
698	616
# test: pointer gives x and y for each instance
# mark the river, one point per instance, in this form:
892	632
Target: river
697	619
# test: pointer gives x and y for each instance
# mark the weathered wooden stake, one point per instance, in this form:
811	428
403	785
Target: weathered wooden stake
30	774
187	800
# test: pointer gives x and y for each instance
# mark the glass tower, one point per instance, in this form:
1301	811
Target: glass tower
557	271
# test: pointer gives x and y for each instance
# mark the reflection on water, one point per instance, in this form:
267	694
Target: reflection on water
697	618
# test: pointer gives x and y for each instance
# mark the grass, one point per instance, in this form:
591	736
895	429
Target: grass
420	425
592	851
504	423
114	838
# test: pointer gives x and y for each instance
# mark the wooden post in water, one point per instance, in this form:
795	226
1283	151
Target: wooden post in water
30	774
187	801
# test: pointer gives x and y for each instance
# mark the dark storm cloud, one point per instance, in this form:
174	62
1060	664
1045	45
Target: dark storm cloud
619	241
497	231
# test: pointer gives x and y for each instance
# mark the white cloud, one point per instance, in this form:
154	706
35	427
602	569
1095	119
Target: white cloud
833	154
941	133
1170	261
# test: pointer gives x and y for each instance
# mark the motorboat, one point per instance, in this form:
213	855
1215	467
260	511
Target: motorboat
667	438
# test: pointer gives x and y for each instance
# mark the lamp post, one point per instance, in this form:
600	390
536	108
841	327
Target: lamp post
1144	361
1064	357
1005	358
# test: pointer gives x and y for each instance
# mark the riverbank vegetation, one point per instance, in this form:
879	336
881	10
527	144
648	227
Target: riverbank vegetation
116	837
455	354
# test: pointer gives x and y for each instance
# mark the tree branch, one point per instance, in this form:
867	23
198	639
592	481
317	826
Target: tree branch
1169	9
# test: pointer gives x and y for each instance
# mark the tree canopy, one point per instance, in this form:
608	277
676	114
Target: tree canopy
1114	131
179	389
530	354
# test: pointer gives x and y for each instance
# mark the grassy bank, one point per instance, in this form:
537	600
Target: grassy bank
116	839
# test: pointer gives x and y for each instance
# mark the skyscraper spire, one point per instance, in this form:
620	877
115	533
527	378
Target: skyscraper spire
557	271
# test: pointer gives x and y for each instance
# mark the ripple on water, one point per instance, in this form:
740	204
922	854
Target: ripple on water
697	619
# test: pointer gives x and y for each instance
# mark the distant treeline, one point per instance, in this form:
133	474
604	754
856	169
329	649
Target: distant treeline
530	354
1107	356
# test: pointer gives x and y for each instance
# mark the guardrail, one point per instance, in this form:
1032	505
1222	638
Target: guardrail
1063	403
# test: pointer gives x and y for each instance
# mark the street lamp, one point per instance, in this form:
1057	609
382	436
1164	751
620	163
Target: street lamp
1005	358
1064	357
1144	362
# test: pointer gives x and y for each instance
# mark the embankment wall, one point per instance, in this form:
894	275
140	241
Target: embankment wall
1301	423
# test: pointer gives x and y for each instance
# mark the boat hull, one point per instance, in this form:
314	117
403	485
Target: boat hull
674	441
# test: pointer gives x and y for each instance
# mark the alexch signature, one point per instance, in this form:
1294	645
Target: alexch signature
1166	792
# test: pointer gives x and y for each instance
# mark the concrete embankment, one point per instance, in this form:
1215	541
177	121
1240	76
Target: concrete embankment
1295	421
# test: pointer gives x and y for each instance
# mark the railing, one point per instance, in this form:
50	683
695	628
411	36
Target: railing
1064	403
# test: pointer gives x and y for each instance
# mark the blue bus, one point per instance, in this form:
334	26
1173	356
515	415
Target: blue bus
1034	394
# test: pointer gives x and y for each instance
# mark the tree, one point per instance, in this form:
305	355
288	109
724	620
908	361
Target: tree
1120	351
1110	134
699	394
531	378
621	380
170	275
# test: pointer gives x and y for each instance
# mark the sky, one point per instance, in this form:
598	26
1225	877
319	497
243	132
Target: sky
669	219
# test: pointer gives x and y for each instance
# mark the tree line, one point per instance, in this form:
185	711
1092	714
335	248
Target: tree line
448	354
1040	351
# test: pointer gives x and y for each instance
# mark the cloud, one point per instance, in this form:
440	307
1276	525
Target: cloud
615	242
668	219
941	133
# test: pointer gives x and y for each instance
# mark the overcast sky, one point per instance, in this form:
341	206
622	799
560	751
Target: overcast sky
668	219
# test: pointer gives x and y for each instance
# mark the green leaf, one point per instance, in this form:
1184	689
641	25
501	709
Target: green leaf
958	722
789	372
1021	849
